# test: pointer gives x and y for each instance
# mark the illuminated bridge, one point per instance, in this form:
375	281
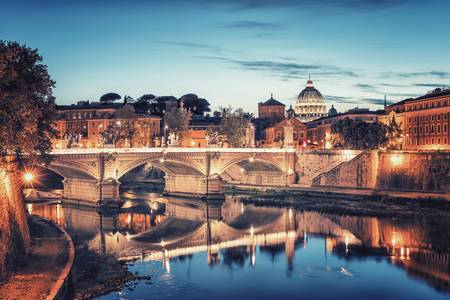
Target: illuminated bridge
94	174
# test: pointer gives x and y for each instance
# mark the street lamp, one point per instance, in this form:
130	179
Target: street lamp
28	177
165	134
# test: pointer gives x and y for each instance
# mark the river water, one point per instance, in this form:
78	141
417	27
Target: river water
232	250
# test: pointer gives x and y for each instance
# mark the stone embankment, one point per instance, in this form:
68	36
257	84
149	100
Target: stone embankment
14	233
46	272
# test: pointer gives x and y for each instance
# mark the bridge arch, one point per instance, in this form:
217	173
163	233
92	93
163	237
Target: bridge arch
170	166
251	163
71	172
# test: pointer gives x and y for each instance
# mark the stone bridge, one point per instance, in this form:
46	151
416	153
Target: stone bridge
94	174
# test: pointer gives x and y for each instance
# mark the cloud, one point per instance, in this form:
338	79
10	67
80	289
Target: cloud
196	46
253	25
285	70
434	73
345	4
431	85
368	88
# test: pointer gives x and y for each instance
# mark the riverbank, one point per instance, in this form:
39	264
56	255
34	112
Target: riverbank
40	272
347	201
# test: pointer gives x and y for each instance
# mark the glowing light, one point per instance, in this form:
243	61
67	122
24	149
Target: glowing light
251	159
290	172
161	160
252	230
396	159
118	123
242	170
28	177
100	126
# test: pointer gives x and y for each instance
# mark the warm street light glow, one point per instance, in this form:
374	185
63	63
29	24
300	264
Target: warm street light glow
251	159
396	160
118	123
28	177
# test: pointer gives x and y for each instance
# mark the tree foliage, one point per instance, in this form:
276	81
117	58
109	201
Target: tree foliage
394	135
198	106
177	120
27	107
109	97
356	134
232	127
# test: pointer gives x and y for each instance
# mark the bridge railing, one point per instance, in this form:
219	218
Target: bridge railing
171	150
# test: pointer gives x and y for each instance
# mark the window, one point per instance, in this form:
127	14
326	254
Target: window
445	116
438	128
439	140
438	117
426	129
426	141
415	130
445	140
432	118
432	129
445	128
426	118
432	140
420	130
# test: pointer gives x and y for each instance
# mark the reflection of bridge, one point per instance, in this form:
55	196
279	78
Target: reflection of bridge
214	226
93	174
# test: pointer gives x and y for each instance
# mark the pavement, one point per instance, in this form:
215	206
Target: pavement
36	277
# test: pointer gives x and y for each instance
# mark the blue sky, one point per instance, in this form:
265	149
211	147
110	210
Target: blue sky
238	52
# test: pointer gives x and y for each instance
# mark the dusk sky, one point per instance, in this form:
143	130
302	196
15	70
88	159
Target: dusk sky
238	52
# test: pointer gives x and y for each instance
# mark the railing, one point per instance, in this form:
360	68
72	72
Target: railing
171	150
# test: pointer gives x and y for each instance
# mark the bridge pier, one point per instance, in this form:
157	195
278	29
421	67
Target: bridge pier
193	185
90	190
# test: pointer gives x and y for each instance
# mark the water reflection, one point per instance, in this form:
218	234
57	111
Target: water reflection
234	235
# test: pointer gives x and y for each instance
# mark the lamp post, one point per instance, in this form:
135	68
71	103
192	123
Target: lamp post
165	135
98	134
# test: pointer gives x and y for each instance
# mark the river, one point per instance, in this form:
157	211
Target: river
230	249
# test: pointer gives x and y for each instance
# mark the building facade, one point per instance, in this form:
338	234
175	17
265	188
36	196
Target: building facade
320	129
271	110
310	104
424	121
88	125
276	136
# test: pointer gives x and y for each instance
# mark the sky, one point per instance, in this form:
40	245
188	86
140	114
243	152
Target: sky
238	52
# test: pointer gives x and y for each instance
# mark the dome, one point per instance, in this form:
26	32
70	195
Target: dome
310	104
332	111
310	94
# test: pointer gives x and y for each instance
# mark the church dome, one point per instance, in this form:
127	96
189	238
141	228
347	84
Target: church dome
310	94
310	104
332	111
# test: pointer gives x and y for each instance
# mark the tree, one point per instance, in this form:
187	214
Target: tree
232	128
109	97
27	106
146	104
177	120
356	134
122	130
191	102
394	135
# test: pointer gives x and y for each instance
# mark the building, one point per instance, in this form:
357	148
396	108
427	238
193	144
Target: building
319	130
310	104
423	120
271	110
276	136
83	125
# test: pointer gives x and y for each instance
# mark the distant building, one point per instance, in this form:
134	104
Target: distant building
275	135
310	104
425	120
319	129
82	124
271	110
